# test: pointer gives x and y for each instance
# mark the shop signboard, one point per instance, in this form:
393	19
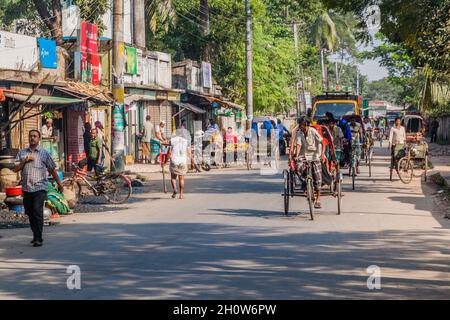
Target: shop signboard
18	52
173	96
161	95
47	53
207	75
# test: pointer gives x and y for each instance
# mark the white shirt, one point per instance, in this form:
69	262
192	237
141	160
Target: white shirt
397	136
179	147
368	126
149	129
310	145
47	132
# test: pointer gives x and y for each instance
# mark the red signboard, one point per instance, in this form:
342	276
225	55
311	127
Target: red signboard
90	60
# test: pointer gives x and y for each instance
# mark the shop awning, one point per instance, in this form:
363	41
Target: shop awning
233	105
138	97
87	91
189	107
38	99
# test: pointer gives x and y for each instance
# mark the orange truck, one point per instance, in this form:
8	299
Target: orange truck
338	100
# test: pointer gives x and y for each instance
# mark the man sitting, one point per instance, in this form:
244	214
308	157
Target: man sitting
310	147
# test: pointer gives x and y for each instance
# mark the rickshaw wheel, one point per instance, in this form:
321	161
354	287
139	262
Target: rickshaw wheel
353	174
286	195
405	170
310	196
339	196
426	168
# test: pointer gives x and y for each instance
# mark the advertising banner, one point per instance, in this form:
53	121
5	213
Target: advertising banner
118	127
131	62
47	53
90	60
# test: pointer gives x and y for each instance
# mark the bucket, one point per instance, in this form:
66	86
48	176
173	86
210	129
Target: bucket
18	209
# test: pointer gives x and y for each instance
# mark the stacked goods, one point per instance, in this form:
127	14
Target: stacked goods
14	199
8	178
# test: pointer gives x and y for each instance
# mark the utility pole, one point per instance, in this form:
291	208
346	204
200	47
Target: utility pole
118	112
297	85
357	82
337	71
139	23
324	73
249	62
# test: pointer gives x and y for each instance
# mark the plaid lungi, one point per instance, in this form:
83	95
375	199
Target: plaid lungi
317	174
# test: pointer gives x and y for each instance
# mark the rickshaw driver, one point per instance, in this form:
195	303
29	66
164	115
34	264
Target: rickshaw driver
310	147
368	128
356	131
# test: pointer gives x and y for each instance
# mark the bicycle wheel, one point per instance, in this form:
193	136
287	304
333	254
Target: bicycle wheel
286	193
405	170
339	196
353	174
310	196
117	189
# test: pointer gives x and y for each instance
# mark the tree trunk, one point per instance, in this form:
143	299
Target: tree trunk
52	21
204	22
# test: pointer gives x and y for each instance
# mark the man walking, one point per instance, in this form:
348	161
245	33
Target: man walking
434	126
34	162
148	133
179	151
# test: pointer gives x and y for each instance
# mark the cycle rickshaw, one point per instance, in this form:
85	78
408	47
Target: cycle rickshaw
413	154
298	182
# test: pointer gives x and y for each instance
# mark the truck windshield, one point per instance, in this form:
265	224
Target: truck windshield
337	109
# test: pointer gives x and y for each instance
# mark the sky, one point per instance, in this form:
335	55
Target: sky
371	68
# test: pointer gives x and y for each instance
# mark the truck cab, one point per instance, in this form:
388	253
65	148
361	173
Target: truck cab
339	101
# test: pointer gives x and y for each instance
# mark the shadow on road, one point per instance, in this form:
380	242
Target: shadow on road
210	261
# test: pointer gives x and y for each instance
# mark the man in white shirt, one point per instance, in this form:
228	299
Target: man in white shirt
397	136
310	147
179	151
148	134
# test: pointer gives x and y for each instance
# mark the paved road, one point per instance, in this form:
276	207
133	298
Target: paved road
229	240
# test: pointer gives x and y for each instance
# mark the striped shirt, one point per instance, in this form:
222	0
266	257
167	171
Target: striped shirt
34	173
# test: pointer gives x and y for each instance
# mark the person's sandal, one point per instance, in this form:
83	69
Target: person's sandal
317	205
174	195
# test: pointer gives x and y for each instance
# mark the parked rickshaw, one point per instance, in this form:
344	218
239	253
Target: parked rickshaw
298	182
414	154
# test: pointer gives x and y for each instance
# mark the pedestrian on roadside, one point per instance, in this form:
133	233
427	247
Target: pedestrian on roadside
87	138
434	126
102	138
178	153
148	134
35	163
95	156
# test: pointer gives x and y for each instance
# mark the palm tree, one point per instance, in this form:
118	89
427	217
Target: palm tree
161	13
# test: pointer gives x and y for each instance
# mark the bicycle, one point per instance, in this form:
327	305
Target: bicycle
353	163
368	152
114	187
405	166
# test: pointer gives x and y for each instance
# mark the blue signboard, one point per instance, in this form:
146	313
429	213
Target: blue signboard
47	53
